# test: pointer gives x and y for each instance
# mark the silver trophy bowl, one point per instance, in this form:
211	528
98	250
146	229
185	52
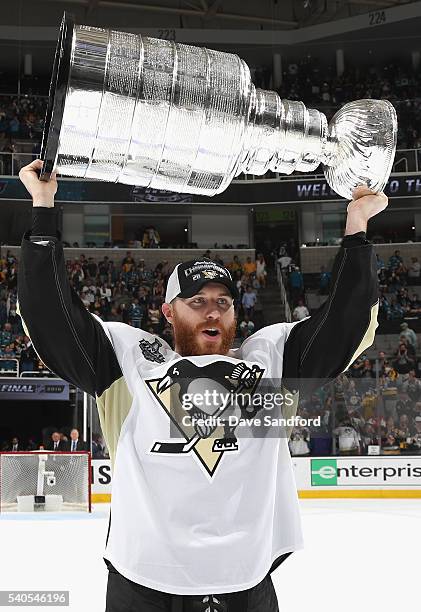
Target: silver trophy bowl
143	111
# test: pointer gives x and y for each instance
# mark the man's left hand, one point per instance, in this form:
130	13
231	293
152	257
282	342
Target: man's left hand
364	205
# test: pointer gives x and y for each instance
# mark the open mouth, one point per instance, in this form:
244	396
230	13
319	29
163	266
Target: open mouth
211	332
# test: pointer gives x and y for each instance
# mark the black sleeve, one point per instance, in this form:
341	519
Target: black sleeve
319	348
68	339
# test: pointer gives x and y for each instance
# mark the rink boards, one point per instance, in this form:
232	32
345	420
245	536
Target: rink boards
323	477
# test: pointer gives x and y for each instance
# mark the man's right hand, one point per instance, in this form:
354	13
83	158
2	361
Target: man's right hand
42	192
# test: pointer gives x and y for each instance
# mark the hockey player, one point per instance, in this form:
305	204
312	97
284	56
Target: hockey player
199	518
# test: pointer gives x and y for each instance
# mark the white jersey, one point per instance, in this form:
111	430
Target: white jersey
204	520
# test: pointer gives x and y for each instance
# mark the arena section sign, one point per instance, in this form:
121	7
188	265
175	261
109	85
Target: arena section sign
47	389
252	192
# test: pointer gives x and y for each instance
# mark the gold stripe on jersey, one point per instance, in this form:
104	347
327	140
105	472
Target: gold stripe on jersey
113	407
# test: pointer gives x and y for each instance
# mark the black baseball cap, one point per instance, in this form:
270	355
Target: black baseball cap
188	278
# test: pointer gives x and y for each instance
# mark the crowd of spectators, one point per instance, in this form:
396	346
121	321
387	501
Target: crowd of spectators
22	117
376	403
397	280
57	440
396	301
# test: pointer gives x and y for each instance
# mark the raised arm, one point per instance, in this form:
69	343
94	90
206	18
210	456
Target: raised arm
322	346
68	339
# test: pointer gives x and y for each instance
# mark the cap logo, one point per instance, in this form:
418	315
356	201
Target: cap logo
210	274
206	266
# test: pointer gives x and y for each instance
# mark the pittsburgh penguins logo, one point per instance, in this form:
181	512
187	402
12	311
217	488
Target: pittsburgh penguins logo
207	431
210	273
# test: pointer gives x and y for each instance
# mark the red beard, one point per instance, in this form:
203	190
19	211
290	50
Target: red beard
187	343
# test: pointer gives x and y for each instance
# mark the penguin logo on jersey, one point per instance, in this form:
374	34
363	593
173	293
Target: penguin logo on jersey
204	434
150	350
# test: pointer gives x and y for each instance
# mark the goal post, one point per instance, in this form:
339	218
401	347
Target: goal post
45	481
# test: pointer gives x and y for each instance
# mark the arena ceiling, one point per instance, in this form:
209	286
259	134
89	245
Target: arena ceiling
375	29
232	14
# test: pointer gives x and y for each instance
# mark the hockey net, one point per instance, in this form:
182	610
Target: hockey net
42	480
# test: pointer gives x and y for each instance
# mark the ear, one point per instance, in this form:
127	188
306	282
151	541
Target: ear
167	311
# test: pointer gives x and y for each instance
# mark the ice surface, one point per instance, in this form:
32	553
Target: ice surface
360	554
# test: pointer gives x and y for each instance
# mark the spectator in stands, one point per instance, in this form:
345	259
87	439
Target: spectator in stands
411	385
15	446
390	443
414	269
249	267
395	310
84	298
246	327
324	281
128	262
154	317
104	268
414	306
403	430
31	446
368	374
348	437
248	301
14	319
98	447
396	262
57	443
105	292
296	284
395	282
28	357
299	443
411	350
6	335
235	266
261	272
77	276
409	334
151	238
403	364
76	444
92	268
300	311
284	260
136	314
415	440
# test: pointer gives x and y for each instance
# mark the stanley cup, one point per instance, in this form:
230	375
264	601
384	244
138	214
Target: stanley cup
143	111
